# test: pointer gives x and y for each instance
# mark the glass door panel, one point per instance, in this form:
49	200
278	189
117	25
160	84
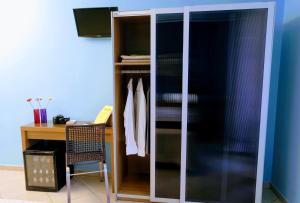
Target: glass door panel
226	63
169	48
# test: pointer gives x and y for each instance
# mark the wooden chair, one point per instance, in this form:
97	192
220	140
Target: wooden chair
85	143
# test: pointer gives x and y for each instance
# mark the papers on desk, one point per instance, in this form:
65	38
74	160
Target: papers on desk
71	122
104	115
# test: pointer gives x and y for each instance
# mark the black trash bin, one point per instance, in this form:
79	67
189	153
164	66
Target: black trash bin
44	164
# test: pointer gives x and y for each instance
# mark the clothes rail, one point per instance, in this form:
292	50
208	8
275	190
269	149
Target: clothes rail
135	71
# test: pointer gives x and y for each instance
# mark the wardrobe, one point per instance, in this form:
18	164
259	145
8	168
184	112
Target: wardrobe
209	77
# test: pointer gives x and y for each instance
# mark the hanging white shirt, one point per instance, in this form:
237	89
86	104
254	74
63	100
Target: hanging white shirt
131	147
147	144
140	124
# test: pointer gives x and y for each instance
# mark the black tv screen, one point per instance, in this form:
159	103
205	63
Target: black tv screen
93	22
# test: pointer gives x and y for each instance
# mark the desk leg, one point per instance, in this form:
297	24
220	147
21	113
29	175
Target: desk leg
25	141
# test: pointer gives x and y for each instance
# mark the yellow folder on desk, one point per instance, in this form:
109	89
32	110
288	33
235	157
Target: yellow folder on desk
104	114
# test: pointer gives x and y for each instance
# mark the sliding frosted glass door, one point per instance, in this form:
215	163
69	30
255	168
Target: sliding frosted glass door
225	80
168	104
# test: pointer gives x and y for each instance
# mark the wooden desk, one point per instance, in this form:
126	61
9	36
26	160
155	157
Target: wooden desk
49	131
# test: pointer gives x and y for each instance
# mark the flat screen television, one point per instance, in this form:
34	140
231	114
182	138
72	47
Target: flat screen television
93	22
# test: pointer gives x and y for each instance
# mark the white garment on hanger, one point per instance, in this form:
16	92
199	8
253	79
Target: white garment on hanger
140	124
147	147
131	147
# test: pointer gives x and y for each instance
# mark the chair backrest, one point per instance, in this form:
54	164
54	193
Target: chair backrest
85	143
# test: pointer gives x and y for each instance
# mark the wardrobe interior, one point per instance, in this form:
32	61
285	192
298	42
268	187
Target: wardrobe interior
131	37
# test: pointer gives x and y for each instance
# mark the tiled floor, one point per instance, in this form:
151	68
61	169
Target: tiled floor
86	189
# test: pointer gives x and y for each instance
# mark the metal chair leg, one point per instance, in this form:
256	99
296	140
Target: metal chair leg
106	184
101	169
68	181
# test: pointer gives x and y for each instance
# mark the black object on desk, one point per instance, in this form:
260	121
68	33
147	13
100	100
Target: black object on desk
60	119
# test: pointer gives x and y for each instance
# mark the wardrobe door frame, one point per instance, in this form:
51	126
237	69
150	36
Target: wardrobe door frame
270	6
154	12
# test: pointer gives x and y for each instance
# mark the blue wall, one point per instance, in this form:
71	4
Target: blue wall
46	58
286	163
273	90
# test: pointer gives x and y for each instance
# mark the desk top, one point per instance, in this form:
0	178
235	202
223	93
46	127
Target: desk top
50	127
